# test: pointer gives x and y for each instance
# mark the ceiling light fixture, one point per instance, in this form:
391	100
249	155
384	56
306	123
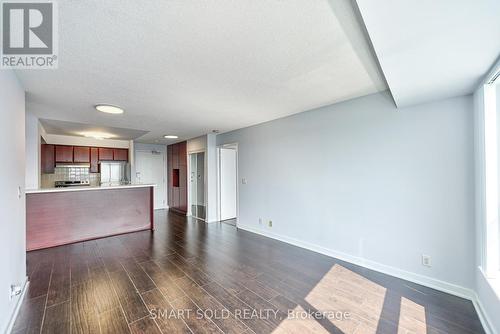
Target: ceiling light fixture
170	136
109	109
97	135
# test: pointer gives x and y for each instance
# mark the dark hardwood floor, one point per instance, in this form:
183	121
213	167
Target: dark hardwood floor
190	277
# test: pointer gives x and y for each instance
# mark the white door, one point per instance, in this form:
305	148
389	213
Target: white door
150	168
228	183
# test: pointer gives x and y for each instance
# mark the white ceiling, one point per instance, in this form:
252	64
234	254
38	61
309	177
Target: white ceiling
55	127
433	49
187	67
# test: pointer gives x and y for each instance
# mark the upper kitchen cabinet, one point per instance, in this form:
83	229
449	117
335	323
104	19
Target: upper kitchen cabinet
48	162
81	154
94	160
64	153
52	154
120	154
105	153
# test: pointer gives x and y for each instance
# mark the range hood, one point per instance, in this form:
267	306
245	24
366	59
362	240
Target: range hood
73	165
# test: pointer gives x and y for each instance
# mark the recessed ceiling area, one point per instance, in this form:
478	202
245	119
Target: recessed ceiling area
187	67
430	50
55	127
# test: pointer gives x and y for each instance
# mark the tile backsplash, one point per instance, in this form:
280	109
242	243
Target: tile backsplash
70	174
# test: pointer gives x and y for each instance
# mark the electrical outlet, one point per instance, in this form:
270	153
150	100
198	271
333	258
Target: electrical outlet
260	221
15	290
426	260
270	223
243	181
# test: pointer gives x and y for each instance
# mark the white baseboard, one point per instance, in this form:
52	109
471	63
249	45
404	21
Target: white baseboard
20	299
483	317
430	282
178	212
389	270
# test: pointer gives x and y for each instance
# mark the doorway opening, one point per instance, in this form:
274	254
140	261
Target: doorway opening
197	206
227	183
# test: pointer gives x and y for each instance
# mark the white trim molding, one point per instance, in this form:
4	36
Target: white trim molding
486	301
483	316
20	299
429	282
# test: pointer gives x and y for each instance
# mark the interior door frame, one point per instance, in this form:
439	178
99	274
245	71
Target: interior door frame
205	192
219	147
164	169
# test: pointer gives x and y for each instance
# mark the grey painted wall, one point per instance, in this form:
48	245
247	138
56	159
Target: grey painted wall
12	210
367	182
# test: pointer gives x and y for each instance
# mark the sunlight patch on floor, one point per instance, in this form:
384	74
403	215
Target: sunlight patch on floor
342	290
299	326
412	316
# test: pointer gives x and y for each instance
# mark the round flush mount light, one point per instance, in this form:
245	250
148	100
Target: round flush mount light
109	109
170	136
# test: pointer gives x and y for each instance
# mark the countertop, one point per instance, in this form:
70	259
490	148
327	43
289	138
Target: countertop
87	188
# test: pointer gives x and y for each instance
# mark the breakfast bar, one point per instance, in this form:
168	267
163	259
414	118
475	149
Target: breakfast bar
58	216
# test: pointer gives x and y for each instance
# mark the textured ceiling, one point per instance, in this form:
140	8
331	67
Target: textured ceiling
188	67
430	50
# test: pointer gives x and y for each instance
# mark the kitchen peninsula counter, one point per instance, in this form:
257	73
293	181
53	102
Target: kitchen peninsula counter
83	188
59	216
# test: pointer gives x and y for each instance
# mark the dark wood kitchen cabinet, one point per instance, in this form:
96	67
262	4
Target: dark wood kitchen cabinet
170	179
182	153
175	199
64	153
183	199
105	153
175	156
94	160
47	159
177	177
81	154
52	154
120	154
